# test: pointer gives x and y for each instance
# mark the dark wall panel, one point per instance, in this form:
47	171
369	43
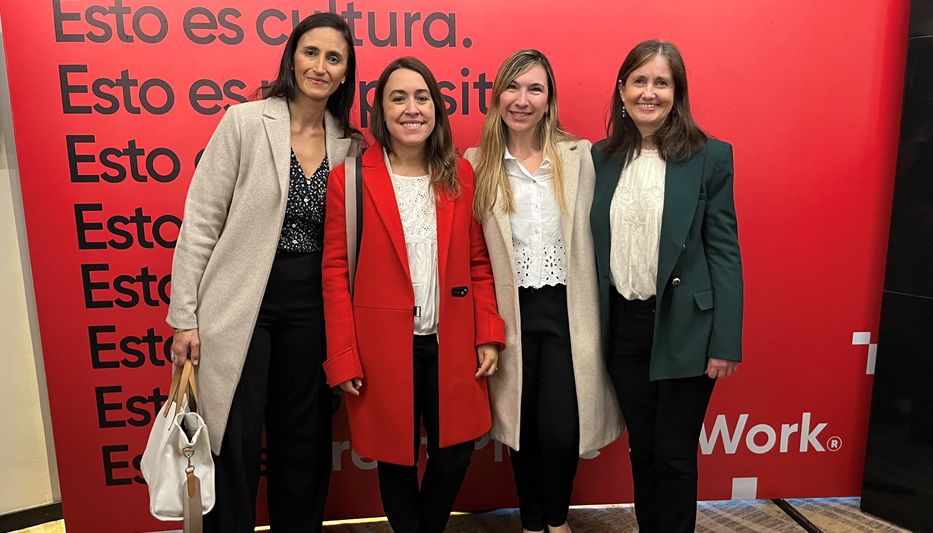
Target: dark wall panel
898	483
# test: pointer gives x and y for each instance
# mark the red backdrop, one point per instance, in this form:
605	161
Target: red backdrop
808	95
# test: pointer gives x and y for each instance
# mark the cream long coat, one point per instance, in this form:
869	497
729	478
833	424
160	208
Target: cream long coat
599	415
229	235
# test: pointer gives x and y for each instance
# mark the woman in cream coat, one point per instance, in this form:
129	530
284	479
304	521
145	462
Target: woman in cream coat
246	282
552	400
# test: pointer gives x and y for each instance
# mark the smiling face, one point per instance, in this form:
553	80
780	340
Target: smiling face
408	108
525	100
320	63
648	95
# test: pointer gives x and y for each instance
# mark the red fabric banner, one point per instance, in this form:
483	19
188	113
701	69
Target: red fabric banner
113	100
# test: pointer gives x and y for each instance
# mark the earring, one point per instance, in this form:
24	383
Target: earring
343	80
623	110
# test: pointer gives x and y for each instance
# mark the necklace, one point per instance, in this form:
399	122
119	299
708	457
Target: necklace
526	158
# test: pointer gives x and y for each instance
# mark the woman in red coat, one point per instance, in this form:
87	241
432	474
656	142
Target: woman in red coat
421	331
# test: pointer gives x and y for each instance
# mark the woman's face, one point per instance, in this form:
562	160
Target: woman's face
525	100
408	108
648	94
320	63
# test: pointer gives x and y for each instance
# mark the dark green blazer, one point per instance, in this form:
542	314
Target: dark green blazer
699	290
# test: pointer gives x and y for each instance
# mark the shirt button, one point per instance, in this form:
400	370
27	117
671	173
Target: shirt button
675	282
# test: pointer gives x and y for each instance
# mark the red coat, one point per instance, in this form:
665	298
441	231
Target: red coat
371	336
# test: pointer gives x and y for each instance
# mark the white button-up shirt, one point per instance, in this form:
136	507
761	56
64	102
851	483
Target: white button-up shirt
536	238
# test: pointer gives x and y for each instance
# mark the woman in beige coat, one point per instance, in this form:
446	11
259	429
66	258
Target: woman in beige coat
552	400
246	282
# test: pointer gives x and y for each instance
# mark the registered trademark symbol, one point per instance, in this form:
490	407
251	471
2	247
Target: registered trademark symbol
833	444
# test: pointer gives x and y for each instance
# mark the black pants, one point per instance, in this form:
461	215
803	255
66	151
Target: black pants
663	418
425	510
282	385
546	462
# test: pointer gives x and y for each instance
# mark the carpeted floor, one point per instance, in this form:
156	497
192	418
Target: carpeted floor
831	515
837	515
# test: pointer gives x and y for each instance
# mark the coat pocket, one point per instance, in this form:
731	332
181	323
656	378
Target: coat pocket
704	300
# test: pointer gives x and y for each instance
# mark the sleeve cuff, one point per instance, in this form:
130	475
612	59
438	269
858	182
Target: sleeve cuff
493	333
342	367
182	324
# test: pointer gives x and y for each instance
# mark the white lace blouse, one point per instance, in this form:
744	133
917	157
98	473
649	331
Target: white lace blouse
536	239
415	198
635	225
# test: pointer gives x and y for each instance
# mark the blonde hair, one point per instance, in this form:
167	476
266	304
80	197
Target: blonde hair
490	175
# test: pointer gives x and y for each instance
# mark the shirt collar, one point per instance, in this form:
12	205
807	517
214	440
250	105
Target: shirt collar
509	157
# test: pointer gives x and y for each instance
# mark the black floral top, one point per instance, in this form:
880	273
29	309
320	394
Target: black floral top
303	229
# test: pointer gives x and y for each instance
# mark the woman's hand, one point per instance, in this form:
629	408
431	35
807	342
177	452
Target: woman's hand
720	368
185	344
488	355
352	386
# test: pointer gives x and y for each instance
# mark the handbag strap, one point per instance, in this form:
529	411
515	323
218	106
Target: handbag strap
183	385
173	390
184	382
193	386
192	507
353	188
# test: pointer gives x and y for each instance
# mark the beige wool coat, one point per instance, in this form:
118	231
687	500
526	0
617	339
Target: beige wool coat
228	239
599	415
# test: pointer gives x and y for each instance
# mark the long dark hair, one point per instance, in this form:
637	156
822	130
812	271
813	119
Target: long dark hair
439	150
679	138
341	101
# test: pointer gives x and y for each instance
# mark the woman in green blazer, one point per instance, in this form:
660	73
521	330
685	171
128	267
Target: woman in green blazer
670	276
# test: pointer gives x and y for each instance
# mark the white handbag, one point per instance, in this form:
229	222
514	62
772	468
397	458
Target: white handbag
177	463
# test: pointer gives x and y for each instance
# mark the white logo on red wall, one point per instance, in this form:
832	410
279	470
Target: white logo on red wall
727	436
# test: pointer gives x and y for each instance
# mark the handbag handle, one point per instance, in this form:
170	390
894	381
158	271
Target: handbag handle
193	385
172	391
184	381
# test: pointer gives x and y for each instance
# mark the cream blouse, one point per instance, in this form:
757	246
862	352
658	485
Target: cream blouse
635	225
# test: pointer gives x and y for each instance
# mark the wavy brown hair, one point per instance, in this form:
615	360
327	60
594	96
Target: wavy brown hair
679	138
439	152
490	175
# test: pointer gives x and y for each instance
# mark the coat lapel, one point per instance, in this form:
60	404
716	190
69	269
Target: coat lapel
571	167
336	144
607	178
501	219
379	186
444	209
681	190
278	130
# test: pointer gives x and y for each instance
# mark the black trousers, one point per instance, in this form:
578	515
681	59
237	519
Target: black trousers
411	509
663	419
283	386
546	462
